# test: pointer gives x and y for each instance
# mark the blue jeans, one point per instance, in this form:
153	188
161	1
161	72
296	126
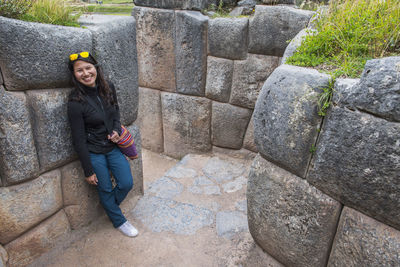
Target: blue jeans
110	198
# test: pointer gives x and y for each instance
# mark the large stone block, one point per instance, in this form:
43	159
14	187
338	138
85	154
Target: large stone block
227	37
137	164
18	158
81	201
155	39
191	52
291	220
186	124
272	26
219	78
357	163
363	241
114	44
248	78
286	119
377	91
23	206
174	4
35	55
3	257
248	141
150	120
51	127
228	125
37	241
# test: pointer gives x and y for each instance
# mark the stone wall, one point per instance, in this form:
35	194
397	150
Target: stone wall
199	78
326	190
43	194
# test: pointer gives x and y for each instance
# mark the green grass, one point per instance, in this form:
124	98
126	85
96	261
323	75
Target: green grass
107	9
14	8
349	34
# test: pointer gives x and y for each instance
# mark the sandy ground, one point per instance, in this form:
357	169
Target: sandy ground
100	244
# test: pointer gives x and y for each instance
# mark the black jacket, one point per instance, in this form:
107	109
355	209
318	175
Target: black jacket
89	132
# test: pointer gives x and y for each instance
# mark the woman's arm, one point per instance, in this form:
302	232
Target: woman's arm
79	136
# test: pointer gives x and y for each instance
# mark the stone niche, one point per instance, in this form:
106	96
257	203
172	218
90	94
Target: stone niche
43	193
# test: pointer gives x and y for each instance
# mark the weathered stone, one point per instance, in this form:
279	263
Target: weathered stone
37	241
248	78
229	125
18	158
235	185
174	4
295	43
286	119
227	37
150	120
377	91
272	26
186	124
3	257
291	220
51	127
115	49
160	214
1	78
357	162
155	39
136	164
191	52
35	55
229	223
219	78
181	172
221	170
81	200
278	2
251	3
22	206
363	241
165	188
248	141
202	180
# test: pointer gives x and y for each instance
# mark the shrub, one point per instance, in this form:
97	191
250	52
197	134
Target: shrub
14	8
348	34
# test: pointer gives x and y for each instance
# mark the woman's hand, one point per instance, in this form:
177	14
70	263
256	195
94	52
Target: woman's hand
92	179
114	137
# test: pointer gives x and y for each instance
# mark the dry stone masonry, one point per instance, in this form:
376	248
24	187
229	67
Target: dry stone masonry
43	194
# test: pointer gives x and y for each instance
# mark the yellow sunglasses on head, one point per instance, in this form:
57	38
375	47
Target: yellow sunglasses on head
74	57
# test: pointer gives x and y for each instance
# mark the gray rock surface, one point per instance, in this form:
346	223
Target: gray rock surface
114	44
51	127
155	39
174	4
291	220
1	78
377	91
248	141
272	26
230	223
161	215
363	241
357	162
27	204
278	2
81	201
248	78
219	78
150	120
165	188
241	205
227	37
181	172
235	185
186	124
136	164
3	257
228	125
221	170
202	180
295	43
18	158
35	55
286	119
37	241
191	52
251	3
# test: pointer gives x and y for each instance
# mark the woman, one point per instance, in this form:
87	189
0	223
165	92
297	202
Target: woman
94	117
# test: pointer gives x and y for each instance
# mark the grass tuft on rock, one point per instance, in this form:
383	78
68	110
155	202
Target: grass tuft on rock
348	34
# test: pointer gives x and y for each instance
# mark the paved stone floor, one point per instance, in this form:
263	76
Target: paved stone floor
193	213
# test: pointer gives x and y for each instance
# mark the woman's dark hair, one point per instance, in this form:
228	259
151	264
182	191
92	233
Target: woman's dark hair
101	83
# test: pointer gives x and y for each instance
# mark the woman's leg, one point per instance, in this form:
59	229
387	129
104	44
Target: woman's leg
121	171
105	190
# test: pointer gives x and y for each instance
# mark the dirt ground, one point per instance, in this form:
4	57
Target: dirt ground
100	244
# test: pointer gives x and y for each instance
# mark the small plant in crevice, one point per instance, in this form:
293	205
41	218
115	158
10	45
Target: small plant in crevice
325	97
313	148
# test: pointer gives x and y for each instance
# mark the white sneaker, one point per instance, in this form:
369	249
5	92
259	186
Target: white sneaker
128	229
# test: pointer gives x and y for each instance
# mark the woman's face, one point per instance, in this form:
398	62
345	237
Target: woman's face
85	73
